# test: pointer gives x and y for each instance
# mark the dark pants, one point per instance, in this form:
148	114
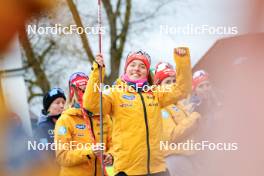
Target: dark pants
166	173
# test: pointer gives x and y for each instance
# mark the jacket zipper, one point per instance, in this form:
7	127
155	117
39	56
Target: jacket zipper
95	166
147	131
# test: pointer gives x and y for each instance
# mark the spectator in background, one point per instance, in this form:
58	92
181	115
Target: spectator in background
53	105
178	126
205	101
203	95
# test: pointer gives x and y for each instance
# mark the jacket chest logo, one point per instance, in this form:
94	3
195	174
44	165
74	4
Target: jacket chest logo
80	126
124	105
62	130
153	104
129	97
151	97
165	114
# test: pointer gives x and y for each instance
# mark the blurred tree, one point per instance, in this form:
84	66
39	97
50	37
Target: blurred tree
119	17
35	62
83	36
117	36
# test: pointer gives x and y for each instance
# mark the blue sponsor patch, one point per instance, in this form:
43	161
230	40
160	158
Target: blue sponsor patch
165	114
129	97
62	130
80	126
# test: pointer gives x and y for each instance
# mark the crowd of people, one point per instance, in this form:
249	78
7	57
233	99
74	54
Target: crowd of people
135	118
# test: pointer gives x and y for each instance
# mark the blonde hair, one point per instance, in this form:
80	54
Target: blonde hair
71	101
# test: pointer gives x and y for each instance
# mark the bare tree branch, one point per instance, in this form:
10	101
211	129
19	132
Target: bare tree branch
33	95
118	17
118	4
111	21
33	62
117	40
30	81
46	51
154	13
83	36
125	27
31	85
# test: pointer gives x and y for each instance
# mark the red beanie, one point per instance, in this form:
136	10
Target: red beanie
77	80
198	77
162	71
139	55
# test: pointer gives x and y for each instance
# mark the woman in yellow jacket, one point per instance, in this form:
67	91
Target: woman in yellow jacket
178	126
135	108
75	135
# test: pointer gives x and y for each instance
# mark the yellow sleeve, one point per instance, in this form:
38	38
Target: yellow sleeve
65	154
91	97
109	144
185	125
183	85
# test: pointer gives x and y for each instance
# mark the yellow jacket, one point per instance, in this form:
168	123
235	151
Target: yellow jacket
178	126
137	123
79	160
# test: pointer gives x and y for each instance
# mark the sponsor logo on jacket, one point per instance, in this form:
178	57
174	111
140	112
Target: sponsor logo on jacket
165	114
129	97
124	105
150	97
153	104
62	130
80	135
80	126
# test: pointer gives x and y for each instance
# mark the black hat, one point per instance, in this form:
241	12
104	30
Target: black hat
50	96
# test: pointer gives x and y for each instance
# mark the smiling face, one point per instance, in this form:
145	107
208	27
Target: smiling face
136	70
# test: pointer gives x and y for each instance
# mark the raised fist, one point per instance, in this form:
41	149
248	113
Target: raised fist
181	51
100	60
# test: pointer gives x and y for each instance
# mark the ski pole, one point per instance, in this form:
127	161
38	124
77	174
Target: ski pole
99	15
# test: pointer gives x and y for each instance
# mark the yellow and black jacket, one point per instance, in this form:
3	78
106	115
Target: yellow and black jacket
137	122
75	157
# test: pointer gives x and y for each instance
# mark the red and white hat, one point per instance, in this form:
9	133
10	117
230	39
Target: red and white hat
198	77
162	71
77	80
138	55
